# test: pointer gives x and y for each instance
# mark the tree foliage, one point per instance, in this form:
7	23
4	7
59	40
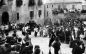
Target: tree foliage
72	20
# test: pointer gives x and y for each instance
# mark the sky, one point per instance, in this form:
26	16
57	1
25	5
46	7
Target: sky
44	1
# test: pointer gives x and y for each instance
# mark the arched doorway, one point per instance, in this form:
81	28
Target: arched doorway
5	18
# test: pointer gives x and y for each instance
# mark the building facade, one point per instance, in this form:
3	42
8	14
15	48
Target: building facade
5	11
21	11
61	4
84	4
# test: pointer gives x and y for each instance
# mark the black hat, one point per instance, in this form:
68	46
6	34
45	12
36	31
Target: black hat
37	46
27	43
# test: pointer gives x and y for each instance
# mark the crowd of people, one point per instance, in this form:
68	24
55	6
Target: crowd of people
15	44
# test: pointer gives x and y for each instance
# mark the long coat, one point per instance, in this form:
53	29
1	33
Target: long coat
78	50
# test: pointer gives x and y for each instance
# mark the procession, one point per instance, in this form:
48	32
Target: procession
42	27
10	36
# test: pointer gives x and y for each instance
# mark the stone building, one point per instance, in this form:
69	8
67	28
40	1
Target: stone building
22	11
5	9
60	4
84	4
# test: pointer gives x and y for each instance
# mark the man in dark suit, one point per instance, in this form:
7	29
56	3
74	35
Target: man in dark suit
56	45
79	48
27	49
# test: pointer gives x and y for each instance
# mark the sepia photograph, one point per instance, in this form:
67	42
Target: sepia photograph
42	26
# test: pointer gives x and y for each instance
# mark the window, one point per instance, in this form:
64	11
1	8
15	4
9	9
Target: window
52	5
40	2
17	16
18	3
2	2
31	3
47	6
40	12
64	6
31	14
47	13
73	6
59	7
10	0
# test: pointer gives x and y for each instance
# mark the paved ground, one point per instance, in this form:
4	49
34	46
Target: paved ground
44	41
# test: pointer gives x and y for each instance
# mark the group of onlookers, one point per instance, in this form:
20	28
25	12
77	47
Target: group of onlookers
14	44
77	45
17	45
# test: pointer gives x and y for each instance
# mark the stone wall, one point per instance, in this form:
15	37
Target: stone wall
24	12
3	9
8	8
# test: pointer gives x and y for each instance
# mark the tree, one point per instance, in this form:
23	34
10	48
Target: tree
72	20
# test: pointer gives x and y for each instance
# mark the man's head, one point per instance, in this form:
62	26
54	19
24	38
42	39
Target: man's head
27	43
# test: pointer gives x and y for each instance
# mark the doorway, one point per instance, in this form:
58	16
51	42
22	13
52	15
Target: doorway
5	18
31	14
